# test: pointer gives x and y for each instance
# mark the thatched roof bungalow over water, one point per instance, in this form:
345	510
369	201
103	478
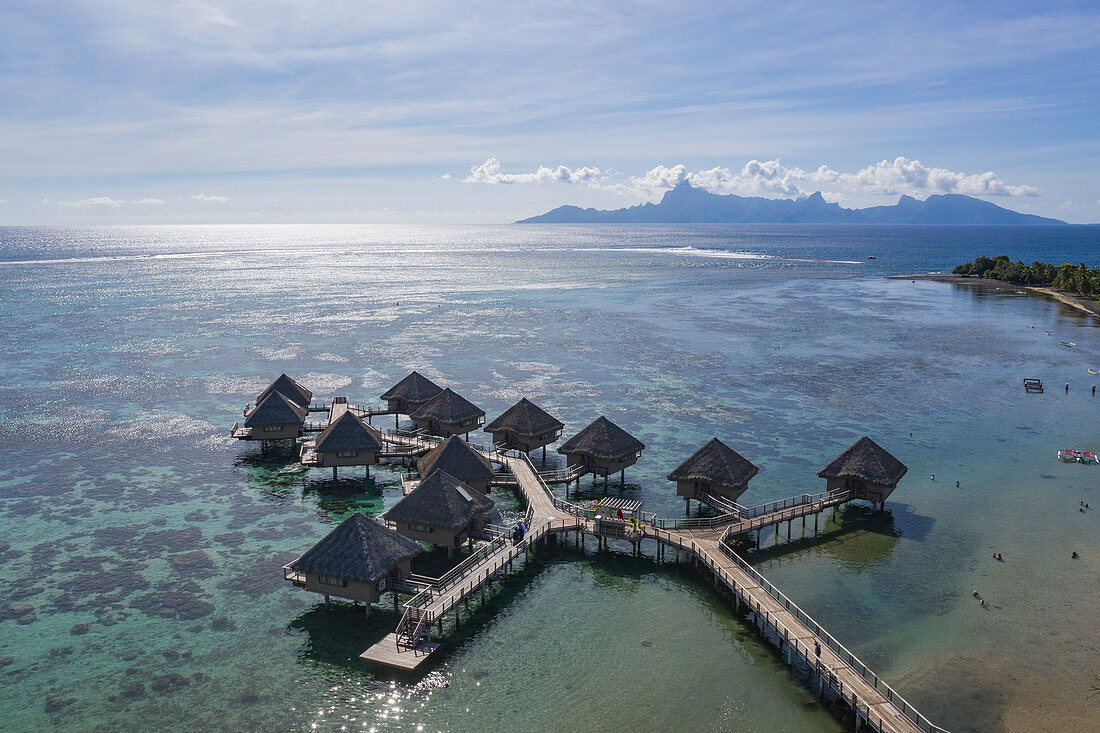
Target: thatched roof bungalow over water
442	510
458	459
447	414
411	393
290	389
358	560
525	426
602	448
714	469
347	441
866	467
275	418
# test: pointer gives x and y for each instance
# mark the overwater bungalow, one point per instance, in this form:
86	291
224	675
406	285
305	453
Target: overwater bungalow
359	560
866	467
525	426
715	469
276	417
290	389
447	414
411	393
458	459
602	448
347	441
442	510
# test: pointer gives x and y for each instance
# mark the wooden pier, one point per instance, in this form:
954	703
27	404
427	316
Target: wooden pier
836	672
710	542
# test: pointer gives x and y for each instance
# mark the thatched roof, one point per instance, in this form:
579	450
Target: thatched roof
602	439
524	418
868	461
287	387
715	463
413	388
360	548
448	407
276	409
440	500
456	457
349	432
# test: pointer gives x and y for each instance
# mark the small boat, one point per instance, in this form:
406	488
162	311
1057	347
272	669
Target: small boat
1067	455
1068	344
1093	371
1088	458
871	257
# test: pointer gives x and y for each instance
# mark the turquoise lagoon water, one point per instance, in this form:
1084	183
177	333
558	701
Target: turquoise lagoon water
149	545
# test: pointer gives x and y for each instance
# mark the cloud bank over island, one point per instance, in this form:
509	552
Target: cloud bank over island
769	179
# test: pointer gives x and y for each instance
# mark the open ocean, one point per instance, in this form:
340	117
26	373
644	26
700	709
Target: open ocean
149	545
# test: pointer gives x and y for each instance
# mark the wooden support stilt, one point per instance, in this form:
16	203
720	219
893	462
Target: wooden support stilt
334	473
395	600
326	600
366	607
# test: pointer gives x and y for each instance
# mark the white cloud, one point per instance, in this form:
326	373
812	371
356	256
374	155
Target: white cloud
148	202
205	197
489	172
94	201
911	176
771	179
756	178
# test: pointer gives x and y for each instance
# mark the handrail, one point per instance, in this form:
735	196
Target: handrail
891	695
447	579
827	500
791	636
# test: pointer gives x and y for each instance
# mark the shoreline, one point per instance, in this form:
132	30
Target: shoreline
1086	305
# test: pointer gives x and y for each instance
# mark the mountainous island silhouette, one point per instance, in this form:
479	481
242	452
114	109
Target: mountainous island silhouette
686	204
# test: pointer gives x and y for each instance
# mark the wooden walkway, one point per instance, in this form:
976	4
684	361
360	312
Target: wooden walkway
801	640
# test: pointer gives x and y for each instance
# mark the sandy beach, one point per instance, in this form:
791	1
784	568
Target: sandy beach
1081	303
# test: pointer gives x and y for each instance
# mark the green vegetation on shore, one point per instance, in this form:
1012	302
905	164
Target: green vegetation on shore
1074	278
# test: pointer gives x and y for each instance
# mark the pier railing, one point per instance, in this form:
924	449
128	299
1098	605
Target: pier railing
560	504
793	501
720	520
900	703
787	511
744	519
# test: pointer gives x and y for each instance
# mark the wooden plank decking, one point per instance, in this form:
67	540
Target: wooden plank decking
392	654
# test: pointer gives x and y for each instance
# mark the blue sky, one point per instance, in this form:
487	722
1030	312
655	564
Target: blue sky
127	111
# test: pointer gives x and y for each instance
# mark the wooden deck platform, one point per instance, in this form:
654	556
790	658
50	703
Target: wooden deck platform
392	654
